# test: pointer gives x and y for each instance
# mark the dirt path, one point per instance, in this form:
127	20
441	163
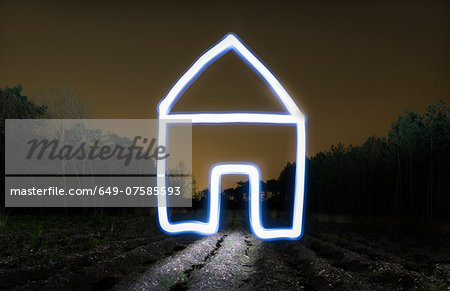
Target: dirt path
229	260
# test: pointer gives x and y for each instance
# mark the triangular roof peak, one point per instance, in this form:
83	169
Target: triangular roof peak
230	42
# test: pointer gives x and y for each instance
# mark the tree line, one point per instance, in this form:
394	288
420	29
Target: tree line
52	103
404	174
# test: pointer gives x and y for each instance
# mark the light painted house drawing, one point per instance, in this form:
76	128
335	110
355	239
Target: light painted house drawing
292	117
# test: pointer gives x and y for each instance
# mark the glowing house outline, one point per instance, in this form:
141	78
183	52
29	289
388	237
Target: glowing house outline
293	117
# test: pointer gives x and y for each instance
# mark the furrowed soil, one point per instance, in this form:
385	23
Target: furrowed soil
129	252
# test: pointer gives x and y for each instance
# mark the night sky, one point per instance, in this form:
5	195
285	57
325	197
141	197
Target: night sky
351	66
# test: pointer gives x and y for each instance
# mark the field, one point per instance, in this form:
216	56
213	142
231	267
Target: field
129	252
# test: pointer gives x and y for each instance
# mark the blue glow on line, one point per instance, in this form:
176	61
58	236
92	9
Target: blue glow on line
293	117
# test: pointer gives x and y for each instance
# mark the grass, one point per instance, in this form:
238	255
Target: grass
438	285
169	282
3	218
49	258
100	241
238	272
242	258
338	239
173	280
35	236
35	239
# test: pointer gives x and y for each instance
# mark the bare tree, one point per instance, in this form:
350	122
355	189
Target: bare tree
64	103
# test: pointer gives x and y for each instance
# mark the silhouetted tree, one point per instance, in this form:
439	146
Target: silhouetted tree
404	175
15	105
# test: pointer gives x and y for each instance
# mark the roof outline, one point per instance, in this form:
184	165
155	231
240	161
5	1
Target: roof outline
230	42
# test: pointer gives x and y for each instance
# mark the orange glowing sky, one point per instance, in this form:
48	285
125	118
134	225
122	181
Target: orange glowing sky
351	66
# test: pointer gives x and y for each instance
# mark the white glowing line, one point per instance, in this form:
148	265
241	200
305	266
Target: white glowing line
234	118
230	41
295	117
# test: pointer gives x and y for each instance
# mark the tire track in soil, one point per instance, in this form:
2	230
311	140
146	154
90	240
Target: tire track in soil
221	261
380	273
241	262
227	269
104	268
184	284
317	273
173	271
